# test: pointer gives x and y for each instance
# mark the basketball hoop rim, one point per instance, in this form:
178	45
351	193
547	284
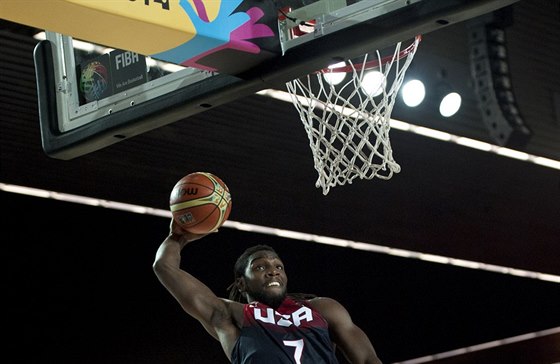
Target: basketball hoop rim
376	62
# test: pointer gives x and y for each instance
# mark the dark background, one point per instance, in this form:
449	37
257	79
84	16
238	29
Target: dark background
86	292
80	285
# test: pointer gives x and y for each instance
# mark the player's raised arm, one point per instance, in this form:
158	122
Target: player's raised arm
194	296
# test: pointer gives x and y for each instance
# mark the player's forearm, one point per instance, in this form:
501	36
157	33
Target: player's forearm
169	252
193	296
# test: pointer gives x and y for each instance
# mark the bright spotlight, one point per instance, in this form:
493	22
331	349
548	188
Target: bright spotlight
373	83
334	78
413	93
450	104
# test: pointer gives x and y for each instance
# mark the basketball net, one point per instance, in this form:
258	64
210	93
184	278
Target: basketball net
348	124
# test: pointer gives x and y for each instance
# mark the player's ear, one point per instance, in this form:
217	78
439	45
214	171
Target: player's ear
240	284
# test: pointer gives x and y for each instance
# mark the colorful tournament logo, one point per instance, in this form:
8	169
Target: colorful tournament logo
220	26
94	81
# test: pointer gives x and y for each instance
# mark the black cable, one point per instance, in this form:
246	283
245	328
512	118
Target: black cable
302	22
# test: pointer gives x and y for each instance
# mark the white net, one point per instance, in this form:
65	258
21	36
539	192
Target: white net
348	124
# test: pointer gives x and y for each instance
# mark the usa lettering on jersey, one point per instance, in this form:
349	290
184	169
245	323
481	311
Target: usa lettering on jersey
296	318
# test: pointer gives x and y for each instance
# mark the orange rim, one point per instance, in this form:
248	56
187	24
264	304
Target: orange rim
376	62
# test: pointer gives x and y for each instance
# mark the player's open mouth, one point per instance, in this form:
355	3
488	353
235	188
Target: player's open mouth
273	284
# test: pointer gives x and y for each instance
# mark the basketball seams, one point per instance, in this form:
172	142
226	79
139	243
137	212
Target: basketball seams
218	223
200	201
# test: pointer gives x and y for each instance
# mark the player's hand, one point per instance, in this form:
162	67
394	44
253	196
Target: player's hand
182	235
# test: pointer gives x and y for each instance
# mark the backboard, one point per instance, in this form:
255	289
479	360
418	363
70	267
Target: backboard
77	119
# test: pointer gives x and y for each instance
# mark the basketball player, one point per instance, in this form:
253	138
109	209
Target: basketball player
270	326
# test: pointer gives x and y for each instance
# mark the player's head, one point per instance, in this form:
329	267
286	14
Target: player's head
259	276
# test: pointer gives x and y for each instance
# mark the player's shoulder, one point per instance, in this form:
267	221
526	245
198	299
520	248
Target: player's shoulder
330	309
234	309
323	303
233	305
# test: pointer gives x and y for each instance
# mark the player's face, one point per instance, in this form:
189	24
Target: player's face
265	279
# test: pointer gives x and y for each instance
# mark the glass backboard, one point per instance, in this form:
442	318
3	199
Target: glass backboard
90	99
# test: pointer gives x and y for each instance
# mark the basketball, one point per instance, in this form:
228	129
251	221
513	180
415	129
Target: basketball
200	202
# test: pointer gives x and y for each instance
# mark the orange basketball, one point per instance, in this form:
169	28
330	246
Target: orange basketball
200	202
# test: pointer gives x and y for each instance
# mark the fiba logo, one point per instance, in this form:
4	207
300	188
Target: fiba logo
94	81
187	218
